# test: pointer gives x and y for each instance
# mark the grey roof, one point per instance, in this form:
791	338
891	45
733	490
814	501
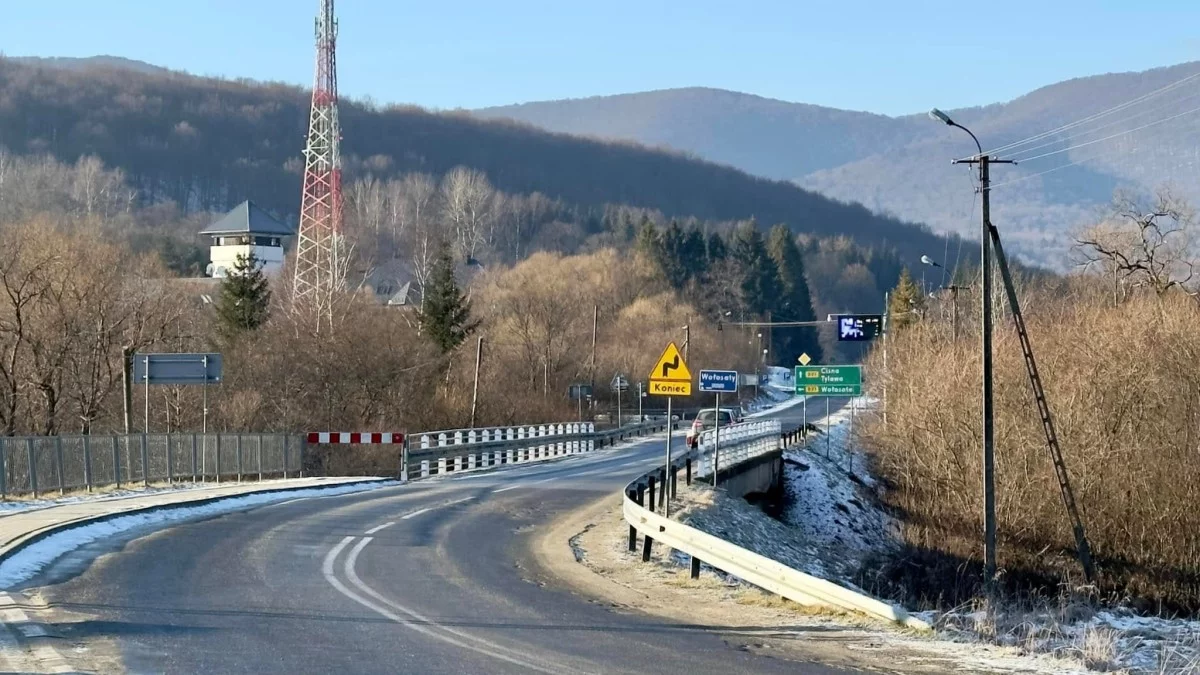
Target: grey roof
402	297
246	218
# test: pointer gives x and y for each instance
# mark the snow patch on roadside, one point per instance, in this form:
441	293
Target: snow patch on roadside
833	524
831	499
28	561
22	505
833	507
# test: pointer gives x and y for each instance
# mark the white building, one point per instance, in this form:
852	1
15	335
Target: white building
245	230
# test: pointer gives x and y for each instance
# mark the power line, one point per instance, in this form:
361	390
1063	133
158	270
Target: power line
1017	154
1116	135
1096	116
1043	173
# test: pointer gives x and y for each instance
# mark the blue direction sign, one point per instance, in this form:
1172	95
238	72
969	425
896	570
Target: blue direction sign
723	381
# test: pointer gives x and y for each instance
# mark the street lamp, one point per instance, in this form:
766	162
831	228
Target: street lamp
939	116
985	257
926	260
757	369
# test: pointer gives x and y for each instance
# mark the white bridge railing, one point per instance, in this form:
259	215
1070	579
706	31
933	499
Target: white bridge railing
740	443
441	452
725	448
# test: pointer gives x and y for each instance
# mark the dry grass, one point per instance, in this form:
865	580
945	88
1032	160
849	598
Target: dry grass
1122	384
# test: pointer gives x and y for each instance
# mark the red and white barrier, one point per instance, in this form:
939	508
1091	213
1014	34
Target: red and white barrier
355	438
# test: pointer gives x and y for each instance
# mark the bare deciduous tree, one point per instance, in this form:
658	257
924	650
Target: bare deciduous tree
467	203
1149	246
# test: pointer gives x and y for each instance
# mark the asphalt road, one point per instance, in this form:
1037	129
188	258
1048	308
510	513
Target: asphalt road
431	577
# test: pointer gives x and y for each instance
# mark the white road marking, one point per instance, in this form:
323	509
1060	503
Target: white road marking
415	621
47	657
510	487
414	514
386	525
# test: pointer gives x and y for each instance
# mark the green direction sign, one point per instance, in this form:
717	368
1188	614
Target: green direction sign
817	380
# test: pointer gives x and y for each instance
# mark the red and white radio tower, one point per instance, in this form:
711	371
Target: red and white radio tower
319	262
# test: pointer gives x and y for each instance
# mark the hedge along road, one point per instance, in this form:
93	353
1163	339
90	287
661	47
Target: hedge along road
431	577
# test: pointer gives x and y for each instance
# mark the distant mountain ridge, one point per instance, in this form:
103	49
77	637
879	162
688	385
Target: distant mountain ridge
90	63
900	165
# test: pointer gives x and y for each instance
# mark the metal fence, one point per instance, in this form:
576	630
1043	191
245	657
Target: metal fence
41	464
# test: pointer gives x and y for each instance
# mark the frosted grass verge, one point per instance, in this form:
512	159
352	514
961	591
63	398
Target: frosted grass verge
28	561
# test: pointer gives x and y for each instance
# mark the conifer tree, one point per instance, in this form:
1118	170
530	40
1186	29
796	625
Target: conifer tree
759	280
904	302
445	310
244	301
715	247
795	301
649	242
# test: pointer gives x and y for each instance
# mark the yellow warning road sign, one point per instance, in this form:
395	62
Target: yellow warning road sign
805	359
670	376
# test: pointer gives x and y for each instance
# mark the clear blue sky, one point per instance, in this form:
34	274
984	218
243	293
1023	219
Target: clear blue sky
886	56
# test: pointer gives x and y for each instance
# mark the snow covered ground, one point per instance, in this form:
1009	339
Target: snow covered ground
10	507
833	524
27	562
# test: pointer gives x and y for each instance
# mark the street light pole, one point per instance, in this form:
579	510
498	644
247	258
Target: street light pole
985	258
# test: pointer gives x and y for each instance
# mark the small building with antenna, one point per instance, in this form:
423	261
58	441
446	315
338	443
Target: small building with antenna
246	230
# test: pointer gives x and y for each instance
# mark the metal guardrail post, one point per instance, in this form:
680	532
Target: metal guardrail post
116	457
145	462
32	466
58	460
632	529
404	460
695	567
650	481
87	461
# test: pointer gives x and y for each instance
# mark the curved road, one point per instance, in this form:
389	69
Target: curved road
430	577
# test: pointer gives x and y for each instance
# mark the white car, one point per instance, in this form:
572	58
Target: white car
707	419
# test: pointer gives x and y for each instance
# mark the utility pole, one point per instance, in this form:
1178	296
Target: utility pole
475	389
127	388
985	310
954	289
985	257
687	338
887	312
595	324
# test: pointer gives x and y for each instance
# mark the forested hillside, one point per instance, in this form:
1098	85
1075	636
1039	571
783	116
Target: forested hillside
207	144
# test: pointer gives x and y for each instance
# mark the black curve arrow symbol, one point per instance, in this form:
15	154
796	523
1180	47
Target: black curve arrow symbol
667	367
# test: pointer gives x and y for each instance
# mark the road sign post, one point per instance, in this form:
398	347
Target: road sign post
718	381
716	439
619	384
670	377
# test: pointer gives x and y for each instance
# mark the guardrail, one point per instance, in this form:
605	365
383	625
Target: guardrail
737	446
441	452
40	464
